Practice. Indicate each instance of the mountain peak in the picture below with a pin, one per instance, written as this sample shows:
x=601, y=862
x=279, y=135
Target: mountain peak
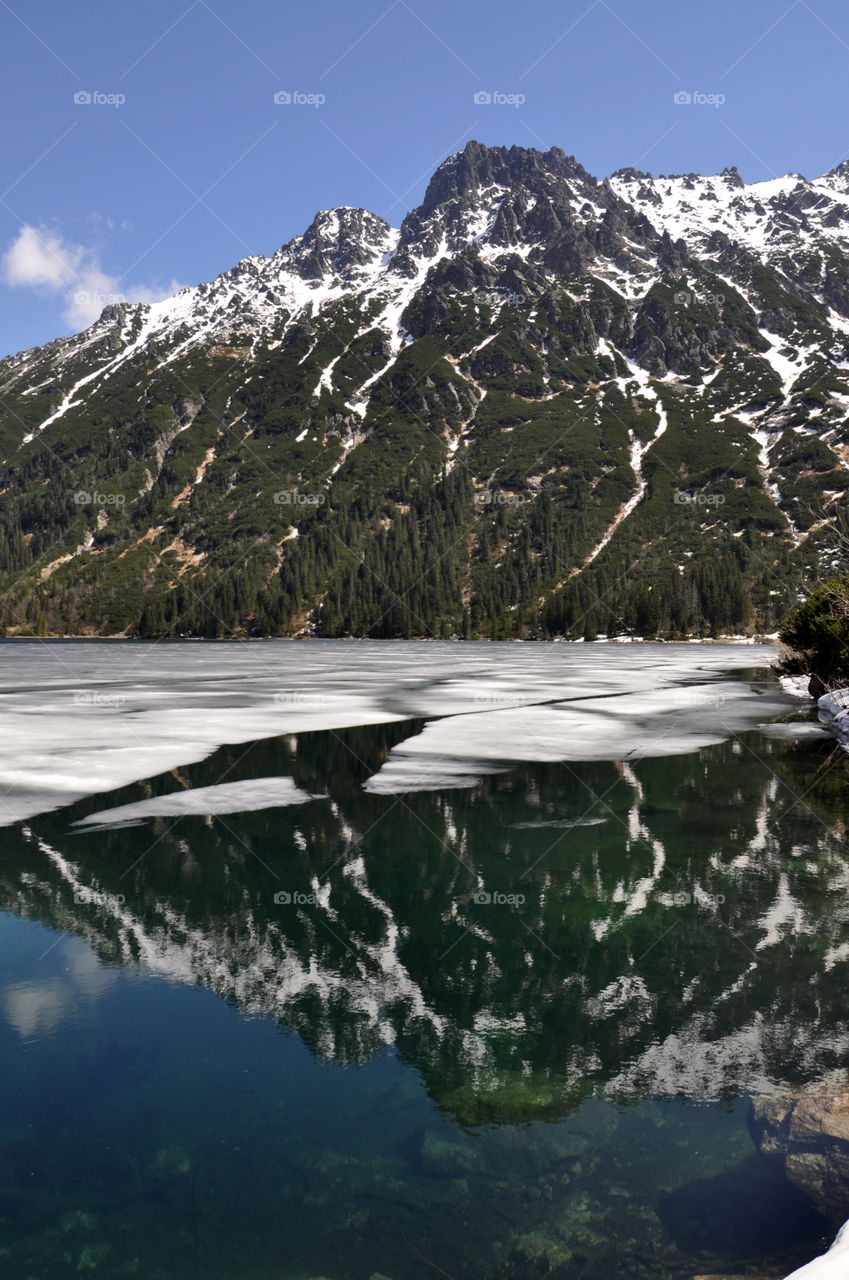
x=630, y=174
x=478, y=166
x=339, y=242
x=837, y=178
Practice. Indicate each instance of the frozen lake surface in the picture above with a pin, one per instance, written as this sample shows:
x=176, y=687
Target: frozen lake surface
x=81, y=718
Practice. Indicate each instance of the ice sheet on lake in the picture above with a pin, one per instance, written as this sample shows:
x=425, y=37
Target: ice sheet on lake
x=661, y=721
x=227, y=797
x=82, y=718
x=796, y=731
x=565, y=824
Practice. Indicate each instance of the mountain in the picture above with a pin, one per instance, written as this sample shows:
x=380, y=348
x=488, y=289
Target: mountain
x=545, y=405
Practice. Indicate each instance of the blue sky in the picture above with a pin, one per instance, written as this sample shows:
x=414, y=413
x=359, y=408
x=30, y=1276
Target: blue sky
x=199, y=166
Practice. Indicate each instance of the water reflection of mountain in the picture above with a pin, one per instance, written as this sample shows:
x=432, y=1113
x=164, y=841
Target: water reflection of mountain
x=692, y=942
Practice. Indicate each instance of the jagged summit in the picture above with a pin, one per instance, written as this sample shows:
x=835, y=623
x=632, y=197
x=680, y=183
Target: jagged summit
x=477, y=167
x=489, y=194
x=837, y=179
x=339, y=242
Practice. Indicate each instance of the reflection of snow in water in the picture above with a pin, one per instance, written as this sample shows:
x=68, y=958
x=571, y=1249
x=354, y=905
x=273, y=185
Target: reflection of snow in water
x=638, y=832
x=84, y=718
x=270, y=978
x=355, y=988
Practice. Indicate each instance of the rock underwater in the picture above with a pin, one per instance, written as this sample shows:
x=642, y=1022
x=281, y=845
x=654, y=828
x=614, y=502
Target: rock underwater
x=809, y=1134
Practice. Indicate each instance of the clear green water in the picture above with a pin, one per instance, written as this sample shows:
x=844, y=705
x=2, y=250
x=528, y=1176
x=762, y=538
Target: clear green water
x=201, y=1081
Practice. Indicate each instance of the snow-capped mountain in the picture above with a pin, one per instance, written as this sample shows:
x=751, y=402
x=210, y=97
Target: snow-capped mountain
x=476, y=423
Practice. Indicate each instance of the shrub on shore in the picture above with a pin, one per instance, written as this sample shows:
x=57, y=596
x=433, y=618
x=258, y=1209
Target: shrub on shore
x=818, y=633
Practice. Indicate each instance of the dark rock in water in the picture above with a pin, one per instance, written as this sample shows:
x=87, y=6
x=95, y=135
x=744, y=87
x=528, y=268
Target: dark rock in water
x=817, y=688
x=169, y=1163
x=809, y=1135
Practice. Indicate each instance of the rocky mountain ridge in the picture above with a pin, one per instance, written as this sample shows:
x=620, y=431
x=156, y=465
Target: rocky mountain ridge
x=545, y=405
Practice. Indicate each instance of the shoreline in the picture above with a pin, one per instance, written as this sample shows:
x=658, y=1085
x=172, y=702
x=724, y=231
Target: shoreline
x=771, y=639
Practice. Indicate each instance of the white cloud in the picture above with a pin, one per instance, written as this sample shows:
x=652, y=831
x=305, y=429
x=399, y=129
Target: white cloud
x=39, y=258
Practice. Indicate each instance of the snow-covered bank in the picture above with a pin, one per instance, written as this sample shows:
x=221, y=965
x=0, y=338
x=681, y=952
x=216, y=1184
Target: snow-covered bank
x=834, y=713
x=82, y=718
x=833, y=1265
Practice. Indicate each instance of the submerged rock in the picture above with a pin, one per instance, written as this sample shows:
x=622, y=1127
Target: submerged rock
x=170, y=1162
x=539, y=1246
x=446, y=1157
x=78, y=1220
x=92, y=1256
x=810, y=1136
x=511, y=1097
x=761, y=1275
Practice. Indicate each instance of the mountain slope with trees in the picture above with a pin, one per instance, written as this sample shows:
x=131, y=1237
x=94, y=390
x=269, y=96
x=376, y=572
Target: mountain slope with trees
x=545, y=405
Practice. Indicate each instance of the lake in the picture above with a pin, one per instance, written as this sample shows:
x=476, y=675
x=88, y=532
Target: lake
x=350, y=960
